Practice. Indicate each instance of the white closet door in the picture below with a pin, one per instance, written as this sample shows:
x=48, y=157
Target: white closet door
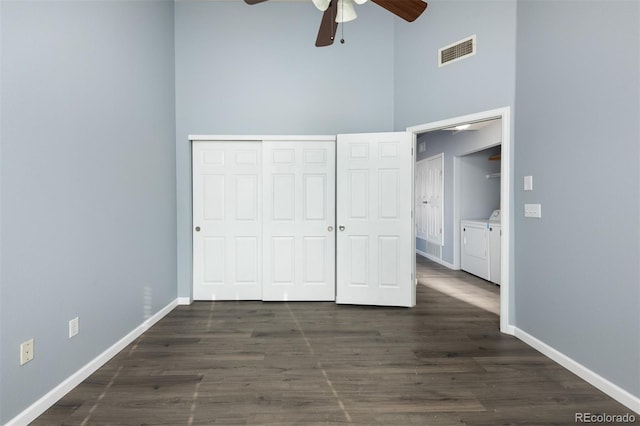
x=432, y=202
x=299, y=220
x=375, y=224
x=421, y=199
x=227, y=198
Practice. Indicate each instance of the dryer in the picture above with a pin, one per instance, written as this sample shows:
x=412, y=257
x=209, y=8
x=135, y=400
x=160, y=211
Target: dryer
x=480, y=247
x=474, y=256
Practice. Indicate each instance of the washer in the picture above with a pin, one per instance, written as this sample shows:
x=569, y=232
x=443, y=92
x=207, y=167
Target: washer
x=495, y=248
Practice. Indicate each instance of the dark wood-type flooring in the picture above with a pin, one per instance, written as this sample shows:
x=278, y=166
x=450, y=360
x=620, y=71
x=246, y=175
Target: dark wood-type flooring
x=443, y=362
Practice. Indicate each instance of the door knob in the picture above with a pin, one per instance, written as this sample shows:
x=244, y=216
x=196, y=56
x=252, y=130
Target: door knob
x=341, y=227
x=330, y=229
x=197, y=229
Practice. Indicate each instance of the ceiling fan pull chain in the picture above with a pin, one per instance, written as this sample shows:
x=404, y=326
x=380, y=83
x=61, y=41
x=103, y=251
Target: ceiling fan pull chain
x=342, y=27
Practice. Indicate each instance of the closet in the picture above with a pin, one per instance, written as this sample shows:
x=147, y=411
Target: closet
x=287, y=218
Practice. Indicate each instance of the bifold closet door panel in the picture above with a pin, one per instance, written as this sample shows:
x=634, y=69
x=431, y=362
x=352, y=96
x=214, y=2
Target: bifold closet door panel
x=375, y=225
x=227, y=220
x=298, y=220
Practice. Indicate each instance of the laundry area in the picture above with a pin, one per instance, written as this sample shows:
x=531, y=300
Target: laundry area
x=480, y=227
x=458, y=216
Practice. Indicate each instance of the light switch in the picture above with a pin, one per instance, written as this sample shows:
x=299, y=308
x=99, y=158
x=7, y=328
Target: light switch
x=528, y=183
x=532, y=210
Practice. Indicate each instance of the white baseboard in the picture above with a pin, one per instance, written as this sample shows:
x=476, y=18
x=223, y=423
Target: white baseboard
x=184, y=300
x=614, y=391
x=41, y=405
x=421, y=253
x=436, y=259
x=507, y=328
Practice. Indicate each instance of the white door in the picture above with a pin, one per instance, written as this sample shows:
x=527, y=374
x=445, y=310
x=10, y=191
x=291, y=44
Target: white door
x=299, y=220
x=227, y=197
x=432, y=199
x=374, y=217
x=421, y=199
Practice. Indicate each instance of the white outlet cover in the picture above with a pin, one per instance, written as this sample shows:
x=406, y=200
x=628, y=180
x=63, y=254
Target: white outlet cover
x=528, y=183
x=26, y=351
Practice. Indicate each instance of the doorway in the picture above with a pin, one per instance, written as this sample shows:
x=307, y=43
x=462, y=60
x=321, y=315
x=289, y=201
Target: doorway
x=506, y=204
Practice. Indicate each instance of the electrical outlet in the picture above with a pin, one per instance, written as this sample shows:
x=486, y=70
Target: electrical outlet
x=26, y=351
x=532, y=210
x=74, y=327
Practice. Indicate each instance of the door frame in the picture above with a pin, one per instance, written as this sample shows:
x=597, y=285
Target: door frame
x=507, y=307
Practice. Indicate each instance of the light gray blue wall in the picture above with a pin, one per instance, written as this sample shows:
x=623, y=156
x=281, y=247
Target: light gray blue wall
x=577, y=132
x=88, y=182
x=455, y=145
x=255, y=70
x=423, y=92
x=479, y=195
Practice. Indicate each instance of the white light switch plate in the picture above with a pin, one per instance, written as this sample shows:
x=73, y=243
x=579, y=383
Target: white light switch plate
x=528, y=183
x=532, y=210
x=74, y=327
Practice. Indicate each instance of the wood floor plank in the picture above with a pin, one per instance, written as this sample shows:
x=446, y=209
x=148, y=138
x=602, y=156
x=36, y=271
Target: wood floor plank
x=443, y=362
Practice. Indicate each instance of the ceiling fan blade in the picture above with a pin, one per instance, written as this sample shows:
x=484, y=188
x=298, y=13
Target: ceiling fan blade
x=254, y=1
x=409, y=10
x=328, y=26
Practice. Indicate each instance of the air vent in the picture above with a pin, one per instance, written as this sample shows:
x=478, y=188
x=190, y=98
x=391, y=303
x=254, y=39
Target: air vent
x=456, y=51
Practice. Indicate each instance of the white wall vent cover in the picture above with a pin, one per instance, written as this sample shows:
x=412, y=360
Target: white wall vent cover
x=456, y=51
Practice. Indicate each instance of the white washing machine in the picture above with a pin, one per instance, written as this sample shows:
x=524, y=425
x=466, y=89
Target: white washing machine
x=480, y=247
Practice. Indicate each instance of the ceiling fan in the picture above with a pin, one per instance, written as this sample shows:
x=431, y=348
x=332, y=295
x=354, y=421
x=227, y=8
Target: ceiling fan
x=340, y=11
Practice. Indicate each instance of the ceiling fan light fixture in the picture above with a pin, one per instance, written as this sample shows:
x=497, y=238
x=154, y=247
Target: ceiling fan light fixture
x=340, y=11
x=346, y=11
x=322, y=5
